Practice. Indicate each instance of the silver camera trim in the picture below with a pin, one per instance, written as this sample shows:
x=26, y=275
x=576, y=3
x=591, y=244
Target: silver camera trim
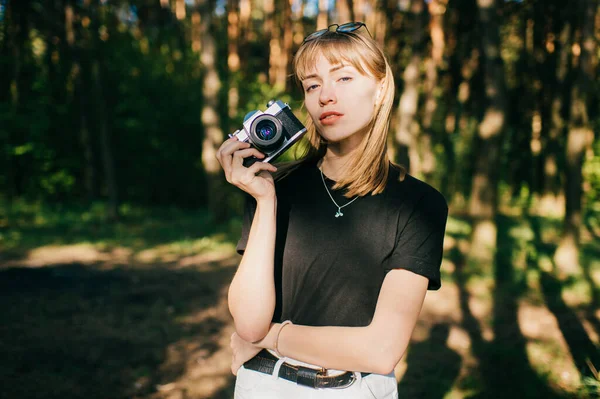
x=273, y=108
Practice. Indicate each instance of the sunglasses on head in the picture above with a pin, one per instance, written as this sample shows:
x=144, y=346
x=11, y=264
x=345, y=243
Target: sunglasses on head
x=348, y=27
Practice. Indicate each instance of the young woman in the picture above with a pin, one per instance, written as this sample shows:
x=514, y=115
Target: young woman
x=339, y=251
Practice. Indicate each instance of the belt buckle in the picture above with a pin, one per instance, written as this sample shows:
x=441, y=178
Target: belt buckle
x=350, y=382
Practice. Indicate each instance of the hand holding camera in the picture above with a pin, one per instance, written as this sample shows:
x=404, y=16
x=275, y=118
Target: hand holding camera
x=264, y=136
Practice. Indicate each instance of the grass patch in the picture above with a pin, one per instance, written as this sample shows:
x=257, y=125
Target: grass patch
x=173, y=231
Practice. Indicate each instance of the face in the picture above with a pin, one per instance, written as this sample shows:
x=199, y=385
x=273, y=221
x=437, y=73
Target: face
x=340, y=101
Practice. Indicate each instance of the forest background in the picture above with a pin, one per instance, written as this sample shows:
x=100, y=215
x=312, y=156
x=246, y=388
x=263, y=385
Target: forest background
x=117, y=229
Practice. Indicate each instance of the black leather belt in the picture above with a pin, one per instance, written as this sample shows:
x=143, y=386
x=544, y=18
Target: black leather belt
x=264, y=362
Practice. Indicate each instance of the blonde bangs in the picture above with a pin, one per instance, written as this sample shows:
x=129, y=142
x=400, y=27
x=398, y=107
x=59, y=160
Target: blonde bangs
x=337, y=49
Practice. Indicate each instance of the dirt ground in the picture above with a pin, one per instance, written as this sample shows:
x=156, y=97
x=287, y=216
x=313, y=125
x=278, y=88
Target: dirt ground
x=81, y=322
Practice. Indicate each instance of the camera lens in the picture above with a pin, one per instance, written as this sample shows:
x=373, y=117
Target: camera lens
x=266, y=130
x=266, y=133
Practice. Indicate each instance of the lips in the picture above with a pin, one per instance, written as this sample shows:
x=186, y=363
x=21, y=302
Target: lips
x=330, y=117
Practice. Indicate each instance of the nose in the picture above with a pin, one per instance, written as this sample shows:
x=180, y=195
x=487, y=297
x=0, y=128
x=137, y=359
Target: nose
x=327, y=95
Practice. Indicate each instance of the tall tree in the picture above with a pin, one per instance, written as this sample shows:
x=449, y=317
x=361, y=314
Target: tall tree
x=233, y=56
x=343, y=11
x=484, y=187
x=407, y=129
x=99, y=32
x=553, y=40
x=433, y=63
x=213, y=135
x=82, y=90
x=298, y=24
x=271, y=37
x=580, y=134
x=358, y=7
x=323, y=17
x=284, y=66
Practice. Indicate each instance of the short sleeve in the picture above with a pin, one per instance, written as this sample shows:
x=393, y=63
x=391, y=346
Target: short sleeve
x=420, y=241
x=249, y=210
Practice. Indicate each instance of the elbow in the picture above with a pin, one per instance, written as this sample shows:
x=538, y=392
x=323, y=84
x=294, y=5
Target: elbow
x=251, y=332
x=386, y=357
x=250, y=326
x=385, y=364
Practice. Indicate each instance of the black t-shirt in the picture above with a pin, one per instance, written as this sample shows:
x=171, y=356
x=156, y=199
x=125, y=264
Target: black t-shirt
x=328, y=270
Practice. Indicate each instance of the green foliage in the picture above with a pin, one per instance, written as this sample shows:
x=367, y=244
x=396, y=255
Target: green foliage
x=133, y=69
x=591, y=175
x=26, y=225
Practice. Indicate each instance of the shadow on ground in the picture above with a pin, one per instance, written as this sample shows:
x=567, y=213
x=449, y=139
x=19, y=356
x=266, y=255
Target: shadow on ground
x=75, y=331
x=581, y=347
x=504, y=368
x=432, y=367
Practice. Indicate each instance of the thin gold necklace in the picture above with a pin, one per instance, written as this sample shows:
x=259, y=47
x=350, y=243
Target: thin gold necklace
x=339, y=208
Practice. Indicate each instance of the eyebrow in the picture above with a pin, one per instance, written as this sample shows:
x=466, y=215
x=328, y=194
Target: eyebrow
x=335, y=68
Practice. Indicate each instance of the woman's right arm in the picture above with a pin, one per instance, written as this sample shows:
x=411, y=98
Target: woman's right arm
x=252, y=291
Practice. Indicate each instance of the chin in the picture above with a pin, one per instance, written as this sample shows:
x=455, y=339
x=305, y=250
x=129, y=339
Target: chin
x=334, y=134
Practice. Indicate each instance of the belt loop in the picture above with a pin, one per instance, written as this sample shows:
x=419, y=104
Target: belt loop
x=358, y=375
x=278, y=364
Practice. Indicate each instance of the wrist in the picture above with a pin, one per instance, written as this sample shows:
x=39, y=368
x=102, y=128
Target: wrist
x=267, y=201
x=278, y=337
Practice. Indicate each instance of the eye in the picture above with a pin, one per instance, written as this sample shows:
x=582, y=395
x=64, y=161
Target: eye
x=311, y=87
x=345, y=79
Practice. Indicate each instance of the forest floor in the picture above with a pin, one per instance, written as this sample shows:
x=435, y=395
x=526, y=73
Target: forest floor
x=137, y=309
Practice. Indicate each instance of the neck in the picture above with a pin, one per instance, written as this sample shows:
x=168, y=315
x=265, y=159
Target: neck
x=333, y=164
x=337, y=157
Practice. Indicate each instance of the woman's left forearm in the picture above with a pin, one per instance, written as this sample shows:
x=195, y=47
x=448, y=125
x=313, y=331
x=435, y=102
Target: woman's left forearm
x=375, y=348
x=341, y=348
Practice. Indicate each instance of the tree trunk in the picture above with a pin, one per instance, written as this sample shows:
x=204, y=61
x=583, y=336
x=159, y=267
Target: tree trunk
x=484, y=189
x=213, y=135
x=271, y=37
x=323, y=17
x=358, y=7
x=10, y=89
x=297, y=17
x=245, y=30
x=579, y=137
x=233, y=58
x=180, y=9
x=407, y=131
x=102, y=117
x=81, y=92
x=380, y=21
x=553, y=119
x=284, y=68
x=196, y=35
x=342, y=9
x=436, y=11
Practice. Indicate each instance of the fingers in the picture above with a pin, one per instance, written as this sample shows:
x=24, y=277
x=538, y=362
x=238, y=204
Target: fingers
x=224, y=153
x=245, y=176
x=238, y=156
x=260, y=166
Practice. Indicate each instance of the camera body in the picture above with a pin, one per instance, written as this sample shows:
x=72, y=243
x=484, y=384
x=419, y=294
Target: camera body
x=271, y=132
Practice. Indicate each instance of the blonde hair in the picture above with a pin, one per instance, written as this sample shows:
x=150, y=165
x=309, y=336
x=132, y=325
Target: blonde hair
x=367, y=169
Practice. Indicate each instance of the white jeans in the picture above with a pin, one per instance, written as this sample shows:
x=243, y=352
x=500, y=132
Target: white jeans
x=251, y=384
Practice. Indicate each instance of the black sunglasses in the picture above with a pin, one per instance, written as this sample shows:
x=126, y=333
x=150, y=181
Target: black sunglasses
x=348, y=27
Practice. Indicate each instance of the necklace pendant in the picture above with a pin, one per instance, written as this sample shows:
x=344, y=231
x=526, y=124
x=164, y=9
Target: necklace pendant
x=339, y=213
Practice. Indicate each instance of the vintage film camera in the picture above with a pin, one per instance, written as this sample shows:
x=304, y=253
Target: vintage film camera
x=271, y=132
